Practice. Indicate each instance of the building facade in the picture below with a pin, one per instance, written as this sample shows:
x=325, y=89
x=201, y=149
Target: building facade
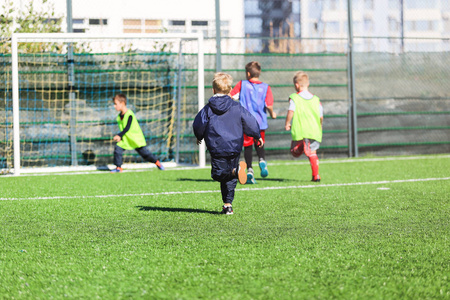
x=152, y=16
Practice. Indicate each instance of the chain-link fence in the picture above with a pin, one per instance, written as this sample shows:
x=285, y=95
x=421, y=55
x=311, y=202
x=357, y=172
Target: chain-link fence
x=400, y=63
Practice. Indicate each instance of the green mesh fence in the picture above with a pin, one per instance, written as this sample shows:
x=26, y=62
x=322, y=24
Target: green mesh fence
x=403, y=102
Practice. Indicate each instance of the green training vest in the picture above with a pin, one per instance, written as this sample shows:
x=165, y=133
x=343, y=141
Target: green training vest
x=134, y=138
x=306, y=119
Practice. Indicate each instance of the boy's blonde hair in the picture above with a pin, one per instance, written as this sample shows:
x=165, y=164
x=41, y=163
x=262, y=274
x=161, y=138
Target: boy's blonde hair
x=222, y=83
x=121, y=98
x=301, y=78
x=254, y=68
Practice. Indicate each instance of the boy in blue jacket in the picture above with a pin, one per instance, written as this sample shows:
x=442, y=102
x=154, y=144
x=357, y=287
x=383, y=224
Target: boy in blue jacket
x=222, y=123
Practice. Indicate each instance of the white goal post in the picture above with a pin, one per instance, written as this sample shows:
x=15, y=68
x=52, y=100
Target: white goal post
x=68, y=38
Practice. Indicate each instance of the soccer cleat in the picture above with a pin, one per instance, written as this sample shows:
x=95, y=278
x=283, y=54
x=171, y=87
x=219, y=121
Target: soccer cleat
x=242, y=176
x=250, y=176
x=317, y=179
x=264, y=170
x=117, y=170
x=227, y=210
x=159, y=165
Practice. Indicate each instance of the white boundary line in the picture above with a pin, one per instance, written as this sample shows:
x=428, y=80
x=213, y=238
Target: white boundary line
x=353, y=160
x=173, y=166
x=243, y=189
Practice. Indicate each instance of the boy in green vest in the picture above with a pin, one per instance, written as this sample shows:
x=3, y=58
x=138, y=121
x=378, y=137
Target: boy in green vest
x=306, y=113
x=130, y=136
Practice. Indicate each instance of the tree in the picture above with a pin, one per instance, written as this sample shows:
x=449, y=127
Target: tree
x=30, y=20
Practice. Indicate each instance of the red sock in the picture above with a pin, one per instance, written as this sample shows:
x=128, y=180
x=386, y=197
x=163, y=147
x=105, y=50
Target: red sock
x=314, y=161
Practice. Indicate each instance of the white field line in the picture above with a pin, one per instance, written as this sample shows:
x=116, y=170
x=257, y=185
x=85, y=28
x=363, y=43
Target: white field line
x=356, y=160
x=242, y=189
x=171, y=166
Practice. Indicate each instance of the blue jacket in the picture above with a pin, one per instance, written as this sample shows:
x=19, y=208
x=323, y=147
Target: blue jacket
x=222, y=123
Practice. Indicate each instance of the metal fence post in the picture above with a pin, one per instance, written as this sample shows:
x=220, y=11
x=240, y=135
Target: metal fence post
x=180, y=67
x=353, y=131
x=218, y=39
x=16, y=104
x=71, y=83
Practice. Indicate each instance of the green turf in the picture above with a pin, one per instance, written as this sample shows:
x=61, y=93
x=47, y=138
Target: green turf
x=328, y=241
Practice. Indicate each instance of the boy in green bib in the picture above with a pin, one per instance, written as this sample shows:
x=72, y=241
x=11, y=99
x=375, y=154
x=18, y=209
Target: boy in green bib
x=306, y=113
x=130, y=136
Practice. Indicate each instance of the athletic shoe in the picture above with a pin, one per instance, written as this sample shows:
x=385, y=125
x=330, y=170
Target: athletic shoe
x=242, y=176
x=250, y=176
x=159, y=165
x=117, y=170
x=317, y=179
x=264, y=170
x=227, y=210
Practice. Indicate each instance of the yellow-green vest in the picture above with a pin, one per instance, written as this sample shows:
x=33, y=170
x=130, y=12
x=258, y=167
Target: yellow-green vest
x=134, y=138
x=306, y=119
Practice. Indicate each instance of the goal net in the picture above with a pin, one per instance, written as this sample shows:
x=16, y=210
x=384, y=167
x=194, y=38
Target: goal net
x=57, y=106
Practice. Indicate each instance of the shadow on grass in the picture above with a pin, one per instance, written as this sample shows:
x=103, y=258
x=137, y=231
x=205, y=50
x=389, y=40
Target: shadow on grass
x=275, y=179
x=174, y=209
x=193, y=179
x=258, y=179
x=102, y=168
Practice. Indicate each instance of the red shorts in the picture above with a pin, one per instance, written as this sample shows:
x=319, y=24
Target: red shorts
x=248, y=140
x=306, y=146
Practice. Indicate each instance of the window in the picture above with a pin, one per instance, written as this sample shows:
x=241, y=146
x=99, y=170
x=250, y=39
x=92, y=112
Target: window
x=368, y=25
x=132, y=30
x=224, y=28
x=447, y=25
x=253, y=25
x=421, y=4
x=251, y=7
x=153, y=26
x=132, y=26
x=296, y=7
x=177, y=23
x=77, y=21
x=79, y=30
x=98, y=21
x=132, y=22
x=199, y=23
x=422, y=25
x=394, y=25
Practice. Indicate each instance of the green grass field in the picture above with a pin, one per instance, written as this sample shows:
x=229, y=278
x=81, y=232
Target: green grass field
x=372, y=229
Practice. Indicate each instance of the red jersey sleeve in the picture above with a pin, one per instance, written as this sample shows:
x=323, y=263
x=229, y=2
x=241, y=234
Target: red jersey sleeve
x=236, y=89
x=269, y=97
